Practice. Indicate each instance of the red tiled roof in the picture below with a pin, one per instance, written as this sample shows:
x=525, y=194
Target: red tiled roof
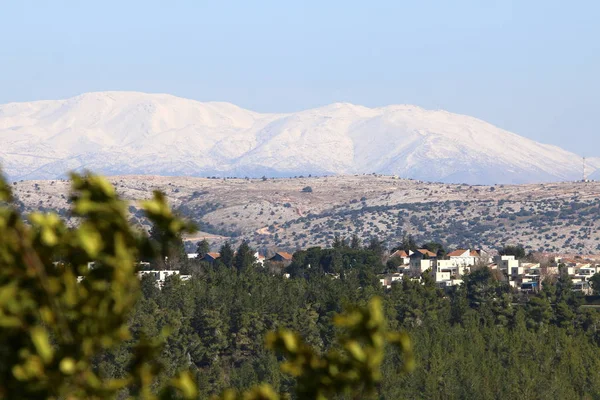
x=285, y=255
x=456, y=253
x=569, y=260
x=214, y=255
x=426, y=252
x=399, y=253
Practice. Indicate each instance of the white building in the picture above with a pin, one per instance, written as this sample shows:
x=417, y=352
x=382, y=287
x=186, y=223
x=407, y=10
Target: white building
x=468, y=258
x=454, y=268
x=260, y=260
x=387, y=280
x=511, y=268
x=586, y=273
x=583, y=287
x=160, y=276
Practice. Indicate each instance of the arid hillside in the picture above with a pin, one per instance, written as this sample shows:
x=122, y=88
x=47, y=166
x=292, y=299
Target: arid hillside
x=309, y=211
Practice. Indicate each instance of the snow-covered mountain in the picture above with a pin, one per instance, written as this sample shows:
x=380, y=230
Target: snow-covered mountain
x=137, y=133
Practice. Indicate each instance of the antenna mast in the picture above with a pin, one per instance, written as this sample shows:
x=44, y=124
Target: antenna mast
x=585, y=178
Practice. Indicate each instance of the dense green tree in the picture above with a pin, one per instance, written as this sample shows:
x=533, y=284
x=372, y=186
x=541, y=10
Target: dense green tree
x=355, y=242
x=408, y=244
x=393, y=263
x=227, y=254
x=213, y=330
x=202, y=248
x=540, y=312
x=339, y=242
x=244, y=257
x=376, y=246
x=595, y=282
x=482, y=287
x=171, y=254
x=149, y=288
x=517, y=251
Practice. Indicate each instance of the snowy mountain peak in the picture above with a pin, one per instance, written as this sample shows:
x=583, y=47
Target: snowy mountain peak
x=139, y=133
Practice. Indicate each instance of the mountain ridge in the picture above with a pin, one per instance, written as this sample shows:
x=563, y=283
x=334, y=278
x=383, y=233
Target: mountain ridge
x=120, y=133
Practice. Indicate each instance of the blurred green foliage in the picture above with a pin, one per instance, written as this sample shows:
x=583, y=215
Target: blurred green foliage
x=51, y=325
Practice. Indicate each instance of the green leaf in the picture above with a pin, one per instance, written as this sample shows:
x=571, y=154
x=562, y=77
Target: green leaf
x=40, y=339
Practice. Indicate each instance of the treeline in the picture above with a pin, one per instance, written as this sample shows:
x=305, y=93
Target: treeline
x=481, y=341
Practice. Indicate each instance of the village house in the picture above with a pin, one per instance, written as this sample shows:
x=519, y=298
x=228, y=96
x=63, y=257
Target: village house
x=260, y=259
x=586, y=273
x=452, y=267
x=573, y=269
x=583, y=287
x=444, y=274
x=458, y=263
x=387, y=280
x=466, y=258
x=506, y=263
x=446, y=277
x=281, y=256
x=402, y=255
x=211, y=257
x=511, y=267
x=571, y=266
x=421, y=261
x=530, y=287
x=531, y=273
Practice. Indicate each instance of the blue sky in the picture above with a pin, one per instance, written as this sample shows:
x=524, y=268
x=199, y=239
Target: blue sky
x=529, y=66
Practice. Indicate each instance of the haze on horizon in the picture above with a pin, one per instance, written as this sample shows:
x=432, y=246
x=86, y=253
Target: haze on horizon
x=528, y=67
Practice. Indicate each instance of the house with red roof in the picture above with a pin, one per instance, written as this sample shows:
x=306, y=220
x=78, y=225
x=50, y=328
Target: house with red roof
x=211, y=257
x=402, y=255
x=281, y=256
x=422, y=260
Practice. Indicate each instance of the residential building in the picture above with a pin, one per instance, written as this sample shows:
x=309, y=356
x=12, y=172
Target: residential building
x=531, y=272
x=512, y=269
x=260, y=259
x=211, y=257
x=421, y=261
x=455, y=268
x=586, y=273
x=583, y=287
x=281, y=256
x=387, y=280
x=529, y=287
x=467, y=257
x=402, y=255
